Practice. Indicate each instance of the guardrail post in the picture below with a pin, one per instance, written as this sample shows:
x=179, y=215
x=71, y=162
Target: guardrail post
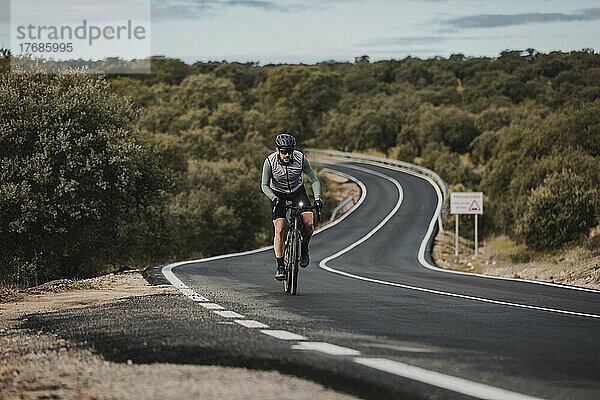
x=340, y=207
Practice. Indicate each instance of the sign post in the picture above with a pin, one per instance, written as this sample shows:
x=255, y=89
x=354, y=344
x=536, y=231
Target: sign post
x=456, y=237
x=466, y=203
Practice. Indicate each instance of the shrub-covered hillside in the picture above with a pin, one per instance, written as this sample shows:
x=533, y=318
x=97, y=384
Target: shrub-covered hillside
x=506, y=126
x=524, y=128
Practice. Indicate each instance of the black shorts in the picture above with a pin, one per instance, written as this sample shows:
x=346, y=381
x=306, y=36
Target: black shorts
x=299, y=196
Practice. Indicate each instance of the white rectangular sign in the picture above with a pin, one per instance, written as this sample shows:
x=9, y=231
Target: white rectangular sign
x=466, y=203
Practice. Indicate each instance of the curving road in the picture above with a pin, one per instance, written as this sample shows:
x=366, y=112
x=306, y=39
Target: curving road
x=373, y=317
x=368, y=296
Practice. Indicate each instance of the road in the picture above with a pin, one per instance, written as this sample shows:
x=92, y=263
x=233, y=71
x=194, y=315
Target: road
x=373, y=315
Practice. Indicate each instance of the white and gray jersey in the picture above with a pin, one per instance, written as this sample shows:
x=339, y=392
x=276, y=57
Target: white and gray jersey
x=287, y=178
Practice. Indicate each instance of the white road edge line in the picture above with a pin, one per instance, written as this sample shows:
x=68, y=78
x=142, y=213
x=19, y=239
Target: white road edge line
x=167, y=270
x=443, y=381
x=323, y=263
x=425, y=264
x=285, y=335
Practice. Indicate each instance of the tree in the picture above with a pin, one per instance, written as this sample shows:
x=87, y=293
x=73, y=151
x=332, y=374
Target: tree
x=204, y=90
x=558, y=211
x=301, y=95
x=4, y=61
x=450, y=126
x=72, y=173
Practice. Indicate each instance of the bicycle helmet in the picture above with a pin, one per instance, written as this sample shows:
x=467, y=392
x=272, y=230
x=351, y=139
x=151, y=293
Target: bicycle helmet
x=285, y=141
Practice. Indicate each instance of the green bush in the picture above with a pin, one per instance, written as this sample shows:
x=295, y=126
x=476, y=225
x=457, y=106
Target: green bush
x=72, y=172
x=494, y=118
x=558, y=211
x=403, y=152
x=450, y=126
x=482, y=147
x=448, y=165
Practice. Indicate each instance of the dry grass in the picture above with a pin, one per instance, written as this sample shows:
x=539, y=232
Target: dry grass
x=342, y=187
x=12, y=294
x=500, y=256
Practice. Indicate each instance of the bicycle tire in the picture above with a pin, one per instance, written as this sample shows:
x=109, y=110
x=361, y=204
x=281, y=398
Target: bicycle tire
x=287, y=257
x=295, y=264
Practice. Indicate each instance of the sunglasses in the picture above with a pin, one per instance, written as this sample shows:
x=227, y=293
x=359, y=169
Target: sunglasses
x=286, y=152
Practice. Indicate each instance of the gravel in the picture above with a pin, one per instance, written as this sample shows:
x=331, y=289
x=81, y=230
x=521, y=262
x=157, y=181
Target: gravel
x=40, y=365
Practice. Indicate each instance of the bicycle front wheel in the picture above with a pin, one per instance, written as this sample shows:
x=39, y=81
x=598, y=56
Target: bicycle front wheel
x=295, y=262
x=288, y=256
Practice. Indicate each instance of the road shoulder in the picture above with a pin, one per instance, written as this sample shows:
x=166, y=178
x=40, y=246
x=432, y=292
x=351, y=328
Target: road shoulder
x=37, y=364
x=574, y=267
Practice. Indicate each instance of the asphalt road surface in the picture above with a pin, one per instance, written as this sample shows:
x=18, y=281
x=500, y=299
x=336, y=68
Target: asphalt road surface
x=373, y=316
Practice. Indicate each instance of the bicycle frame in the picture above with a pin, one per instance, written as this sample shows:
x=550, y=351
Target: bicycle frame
x=292, y=246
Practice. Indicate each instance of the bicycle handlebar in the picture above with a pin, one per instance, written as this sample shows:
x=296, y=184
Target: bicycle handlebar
x=299, y=208
x=307, y=208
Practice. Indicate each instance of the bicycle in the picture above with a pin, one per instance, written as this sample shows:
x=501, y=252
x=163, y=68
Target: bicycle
x=293, y=244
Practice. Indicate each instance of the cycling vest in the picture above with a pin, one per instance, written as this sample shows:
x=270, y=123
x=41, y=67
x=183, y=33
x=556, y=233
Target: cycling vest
x=286, y=178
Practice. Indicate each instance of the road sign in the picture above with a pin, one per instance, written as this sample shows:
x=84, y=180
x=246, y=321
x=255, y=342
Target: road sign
x=466, y=203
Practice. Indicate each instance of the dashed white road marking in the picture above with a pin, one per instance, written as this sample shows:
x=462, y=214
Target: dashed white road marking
x=250, y=323
x=197, y=297
x=212, y=306
x=448, y=382
x=283, y=335
x=327, y=348
x=192, y=295
x=228, y=314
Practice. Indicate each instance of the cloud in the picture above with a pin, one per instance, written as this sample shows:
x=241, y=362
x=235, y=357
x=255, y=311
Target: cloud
x=424, y=40
x=267, y=5
x=403, y=41
x=198, y=8
x=263, y=5
x=498, y=20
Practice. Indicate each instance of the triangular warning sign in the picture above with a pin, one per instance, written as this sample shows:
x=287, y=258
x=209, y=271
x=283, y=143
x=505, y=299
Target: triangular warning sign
x=474, y=206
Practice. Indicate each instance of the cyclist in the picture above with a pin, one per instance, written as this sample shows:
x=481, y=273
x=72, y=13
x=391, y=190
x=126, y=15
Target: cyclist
x=281, y=182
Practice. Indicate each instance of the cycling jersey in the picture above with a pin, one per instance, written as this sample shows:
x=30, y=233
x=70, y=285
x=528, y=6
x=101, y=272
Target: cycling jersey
x=287, y=178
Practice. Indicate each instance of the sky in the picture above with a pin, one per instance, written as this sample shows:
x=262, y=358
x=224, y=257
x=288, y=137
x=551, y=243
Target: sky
x=310, y=31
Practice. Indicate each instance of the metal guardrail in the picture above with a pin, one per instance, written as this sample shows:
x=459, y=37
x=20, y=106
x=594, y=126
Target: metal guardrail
x=344, y=203
x=425, y=171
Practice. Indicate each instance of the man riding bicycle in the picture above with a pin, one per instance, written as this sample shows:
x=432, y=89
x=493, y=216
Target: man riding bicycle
x=281, y=182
